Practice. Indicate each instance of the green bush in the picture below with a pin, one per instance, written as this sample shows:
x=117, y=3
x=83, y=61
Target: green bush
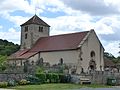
x=11, y=83
x=23, y=82
x=33, y=79
x=41, y=76
x=3, y=84
x=52, y=77
x=55, y=78
x=64, y=78
x=48, y=77
x=39, y=70
x=61, y=78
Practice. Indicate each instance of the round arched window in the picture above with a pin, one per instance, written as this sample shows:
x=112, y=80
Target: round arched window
x=92, y=54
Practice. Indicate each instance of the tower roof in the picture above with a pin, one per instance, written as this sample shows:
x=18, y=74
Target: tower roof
x=35, y=20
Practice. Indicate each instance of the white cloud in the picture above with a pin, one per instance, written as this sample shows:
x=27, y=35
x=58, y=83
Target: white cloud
x=13, y=5
x=104, y=26
x=112, y=47
x=11, y=35
x=79, y=16
x=94, y=7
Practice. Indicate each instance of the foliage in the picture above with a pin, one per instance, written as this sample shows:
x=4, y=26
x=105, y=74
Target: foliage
x=3, y=84
x=64, y=78
x=33, y=79
x=115, y=60
x=109, y=55
x=11, y=83
x=52, y=77
x=39, y=70
x=41, y=76
x=3, y=62
x=7, y=48
x=55, y=78
x=48, y=77
x=23, y=82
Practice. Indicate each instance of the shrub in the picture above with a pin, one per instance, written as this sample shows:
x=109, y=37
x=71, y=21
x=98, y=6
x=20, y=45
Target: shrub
x=64, y=78
x=33, y=79
x=3, y=84
x=55, y=78
x=41, y=76
x=11, y=83
x=48, y=77
x=52, y=77
x=23, y=82
x=39, y=70
x=61, y=78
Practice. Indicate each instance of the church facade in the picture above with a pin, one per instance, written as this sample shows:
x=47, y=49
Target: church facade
x=82, y=50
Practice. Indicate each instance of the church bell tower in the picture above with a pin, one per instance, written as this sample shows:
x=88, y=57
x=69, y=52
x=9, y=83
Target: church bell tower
x=32, y=30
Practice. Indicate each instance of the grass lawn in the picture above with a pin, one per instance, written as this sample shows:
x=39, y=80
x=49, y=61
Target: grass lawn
x=56, y=87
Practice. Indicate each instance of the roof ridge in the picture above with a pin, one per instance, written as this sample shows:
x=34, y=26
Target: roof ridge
x=67, y=34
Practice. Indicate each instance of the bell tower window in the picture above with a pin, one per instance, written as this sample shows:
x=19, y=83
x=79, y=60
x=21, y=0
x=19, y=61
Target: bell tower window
x=40, y=29
x=26, y=36
x=26, y=29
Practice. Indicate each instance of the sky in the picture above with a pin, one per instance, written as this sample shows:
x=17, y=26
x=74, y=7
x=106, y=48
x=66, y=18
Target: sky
x=64, y=16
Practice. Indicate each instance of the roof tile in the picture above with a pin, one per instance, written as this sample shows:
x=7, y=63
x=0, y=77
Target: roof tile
x=35, y=20
x=59, y=42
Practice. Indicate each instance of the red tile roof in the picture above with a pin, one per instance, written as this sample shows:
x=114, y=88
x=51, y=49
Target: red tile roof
x=35, y=20
x=59, y=42
x=27, y=55
x=18, y=54
x=53, y=43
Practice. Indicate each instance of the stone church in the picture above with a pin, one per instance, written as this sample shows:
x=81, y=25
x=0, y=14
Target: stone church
x=82, y=50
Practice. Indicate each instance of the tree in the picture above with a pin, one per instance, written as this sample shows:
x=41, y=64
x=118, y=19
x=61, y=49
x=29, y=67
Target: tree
x=3, y=62
x=7, y=48
x=109, y=55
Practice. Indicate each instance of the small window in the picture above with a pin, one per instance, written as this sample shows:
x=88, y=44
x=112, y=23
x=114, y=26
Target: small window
x=26, y=36
x=92, y=54
x=40, y=29
x=61, y=61
x=26, y=29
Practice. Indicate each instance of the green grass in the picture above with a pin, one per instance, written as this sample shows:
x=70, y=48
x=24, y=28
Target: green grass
x=56, y=87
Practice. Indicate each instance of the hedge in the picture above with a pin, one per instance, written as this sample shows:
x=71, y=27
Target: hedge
x=3, y=84
x=41, y=76
x=53, y=78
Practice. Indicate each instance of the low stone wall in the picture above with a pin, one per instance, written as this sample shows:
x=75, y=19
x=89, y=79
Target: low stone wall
x=95, y=78
x=12, y=76
x=101, y=77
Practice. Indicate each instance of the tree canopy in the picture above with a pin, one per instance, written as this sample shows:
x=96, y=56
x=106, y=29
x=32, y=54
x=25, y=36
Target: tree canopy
x=109, y=55
x=7, y=48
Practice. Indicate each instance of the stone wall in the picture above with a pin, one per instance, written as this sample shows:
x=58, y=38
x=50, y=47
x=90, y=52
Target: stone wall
x=101, y=77
x=12, y=76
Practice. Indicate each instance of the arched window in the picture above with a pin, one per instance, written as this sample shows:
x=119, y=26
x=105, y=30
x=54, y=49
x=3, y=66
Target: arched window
x=92, y=63
x=92, y=55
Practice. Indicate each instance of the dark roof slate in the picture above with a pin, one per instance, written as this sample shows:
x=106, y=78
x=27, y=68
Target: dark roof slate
x=35, y=20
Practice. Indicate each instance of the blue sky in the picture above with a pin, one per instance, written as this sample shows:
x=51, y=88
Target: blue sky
x=64, y=16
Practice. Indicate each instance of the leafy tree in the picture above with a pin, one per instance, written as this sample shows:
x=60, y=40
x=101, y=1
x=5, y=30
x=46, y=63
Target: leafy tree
x=3, y=62
x=7, y=48
x=109, y=55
